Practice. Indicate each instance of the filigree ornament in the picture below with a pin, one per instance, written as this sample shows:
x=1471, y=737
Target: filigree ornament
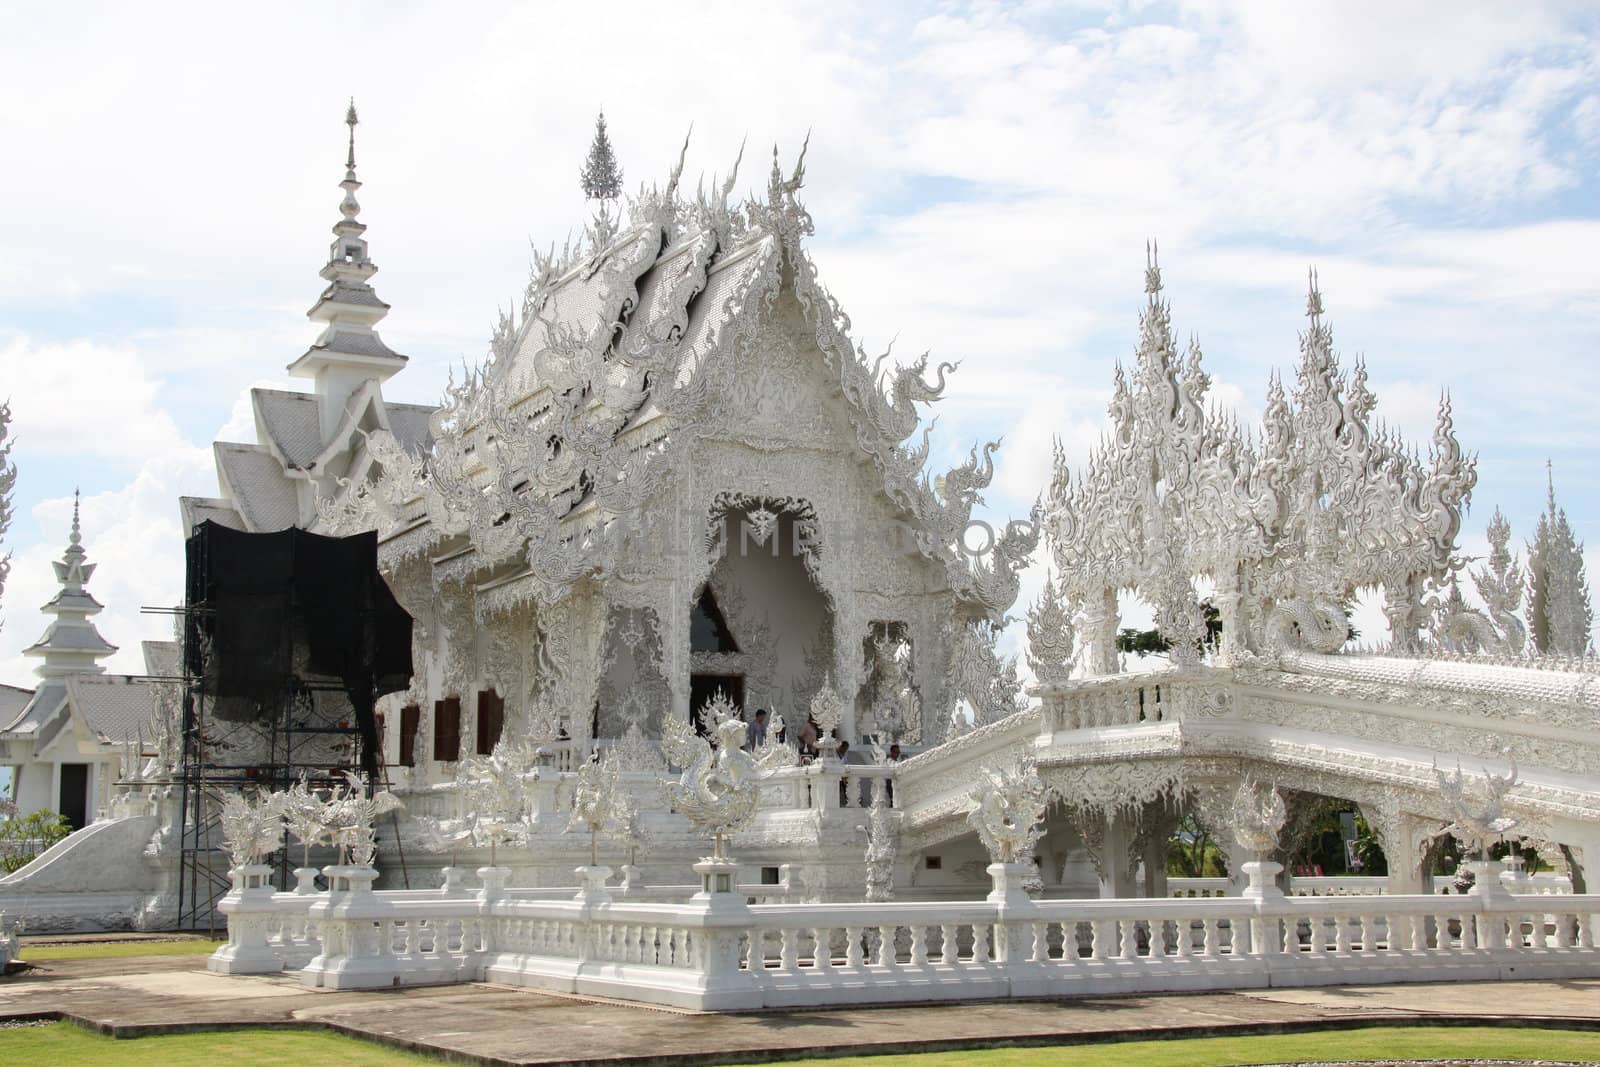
x=1007, y=808
x=1258, y=816
x=762, y=523
x=1479, y=824
x=493, y=792
x=827, y=707
x=1050, y=635
x=250, y=828
x=719, y=791
x=1290, y=521
x=598, y=799
x=1500, y=585
x=637, y=754
x=882, y=832
x=351, y=818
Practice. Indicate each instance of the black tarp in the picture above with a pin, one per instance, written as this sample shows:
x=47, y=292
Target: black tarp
x=269, y=612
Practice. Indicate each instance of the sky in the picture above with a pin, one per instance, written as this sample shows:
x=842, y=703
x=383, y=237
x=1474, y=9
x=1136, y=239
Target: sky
x=983, y=177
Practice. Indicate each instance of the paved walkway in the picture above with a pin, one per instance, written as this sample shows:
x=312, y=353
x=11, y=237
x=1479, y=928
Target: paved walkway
x=501, y=1025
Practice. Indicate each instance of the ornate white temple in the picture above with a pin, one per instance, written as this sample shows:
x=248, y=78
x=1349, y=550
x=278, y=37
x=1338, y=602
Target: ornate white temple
x=676, y=494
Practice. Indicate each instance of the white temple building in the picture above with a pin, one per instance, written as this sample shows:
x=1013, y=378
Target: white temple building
x=65, y=743
x=677, y=492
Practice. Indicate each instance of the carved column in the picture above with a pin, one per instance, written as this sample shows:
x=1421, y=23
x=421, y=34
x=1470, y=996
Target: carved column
x=1402, y=606
x=1099, y=632
x=1229, y=599
x=1397, y=832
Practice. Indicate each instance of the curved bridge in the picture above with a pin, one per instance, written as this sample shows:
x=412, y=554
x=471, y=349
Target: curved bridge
x=1369, y=729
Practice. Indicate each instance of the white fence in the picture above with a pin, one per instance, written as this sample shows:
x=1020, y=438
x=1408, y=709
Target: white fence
x=1359, y=886
x=717, y=952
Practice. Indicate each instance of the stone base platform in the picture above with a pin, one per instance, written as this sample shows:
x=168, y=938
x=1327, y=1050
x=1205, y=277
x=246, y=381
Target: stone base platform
x=489, y=1024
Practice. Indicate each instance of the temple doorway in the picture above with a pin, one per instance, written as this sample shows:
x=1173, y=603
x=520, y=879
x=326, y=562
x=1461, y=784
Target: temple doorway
x=74, y=797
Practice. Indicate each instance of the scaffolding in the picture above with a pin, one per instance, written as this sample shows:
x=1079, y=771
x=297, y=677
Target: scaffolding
x=286, y=742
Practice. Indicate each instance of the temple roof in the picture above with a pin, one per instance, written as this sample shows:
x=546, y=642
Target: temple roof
x=292, y=422
x=255, y=484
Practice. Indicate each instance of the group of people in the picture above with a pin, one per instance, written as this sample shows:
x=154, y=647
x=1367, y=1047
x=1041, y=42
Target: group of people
x=809, y=740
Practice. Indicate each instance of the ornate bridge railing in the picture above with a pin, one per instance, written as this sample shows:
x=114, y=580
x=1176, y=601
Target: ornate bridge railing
x=718, y=953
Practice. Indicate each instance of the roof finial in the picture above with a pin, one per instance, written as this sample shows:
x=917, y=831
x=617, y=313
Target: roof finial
x=350, y=120
x=77, y=531
x=1152, y=268
x=1550, y=479
x=601, y=177
x=1313, y=295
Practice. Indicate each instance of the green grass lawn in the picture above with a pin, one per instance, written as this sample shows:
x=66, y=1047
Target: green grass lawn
x=62, y=1043
x=1377, y=1043
x=106, y=950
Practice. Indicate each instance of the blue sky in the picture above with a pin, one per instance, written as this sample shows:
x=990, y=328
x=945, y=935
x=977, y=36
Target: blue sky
x=983, y=178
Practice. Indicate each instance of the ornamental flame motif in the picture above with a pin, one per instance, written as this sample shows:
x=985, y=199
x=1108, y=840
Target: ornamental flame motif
x=1007, y=807
x=1258, y=816
x=1290, y=520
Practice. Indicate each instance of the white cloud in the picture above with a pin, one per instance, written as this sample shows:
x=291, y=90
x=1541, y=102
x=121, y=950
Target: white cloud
x=86, y=400
x=983, y=181
x=134, y=538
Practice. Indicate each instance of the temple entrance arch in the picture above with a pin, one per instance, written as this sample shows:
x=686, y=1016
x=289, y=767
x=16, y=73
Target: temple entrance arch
x=761, y=614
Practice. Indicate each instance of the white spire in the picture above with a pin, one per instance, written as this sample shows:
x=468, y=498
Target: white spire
x=1559, y=611
x=71, y=644
x=349, y=350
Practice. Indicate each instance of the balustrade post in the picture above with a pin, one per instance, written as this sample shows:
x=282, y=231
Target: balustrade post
x=1489, y=896
x=493, y=880
x=355, y=954
x=248, y=906
x=592, y=885
x=305, y=881
x=724, y=919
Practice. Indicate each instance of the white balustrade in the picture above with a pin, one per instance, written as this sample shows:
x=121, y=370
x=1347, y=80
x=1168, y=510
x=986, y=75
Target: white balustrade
x=716, y=952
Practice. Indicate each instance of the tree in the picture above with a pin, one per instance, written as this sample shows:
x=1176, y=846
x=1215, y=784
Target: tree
x=24, y=837
x=1559, y=613
x=8, y=482
x=601, y=177
x=1191, y=853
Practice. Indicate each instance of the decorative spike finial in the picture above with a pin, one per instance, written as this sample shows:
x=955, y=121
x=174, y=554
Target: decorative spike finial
x=601, y=177
x=1313, y=295
x=1152, y=268
x=350, y=120
x=77, y=530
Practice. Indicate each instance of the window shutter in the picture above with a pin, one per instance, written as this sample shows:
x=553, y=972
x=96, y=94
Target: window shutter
x=447, y=729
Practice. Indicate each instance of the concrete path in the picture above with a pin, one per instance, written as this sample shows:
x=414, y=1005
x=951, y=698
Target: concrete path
x=501, y=1025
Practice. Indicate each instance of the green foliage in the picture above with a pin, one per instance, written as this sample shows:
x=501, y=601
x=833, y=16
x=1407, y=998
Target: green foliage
x=1314, y=836
x=116, y=950
x=22, y=838
x=1146, y=642
x=66, y=1043
x=1191, y=852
